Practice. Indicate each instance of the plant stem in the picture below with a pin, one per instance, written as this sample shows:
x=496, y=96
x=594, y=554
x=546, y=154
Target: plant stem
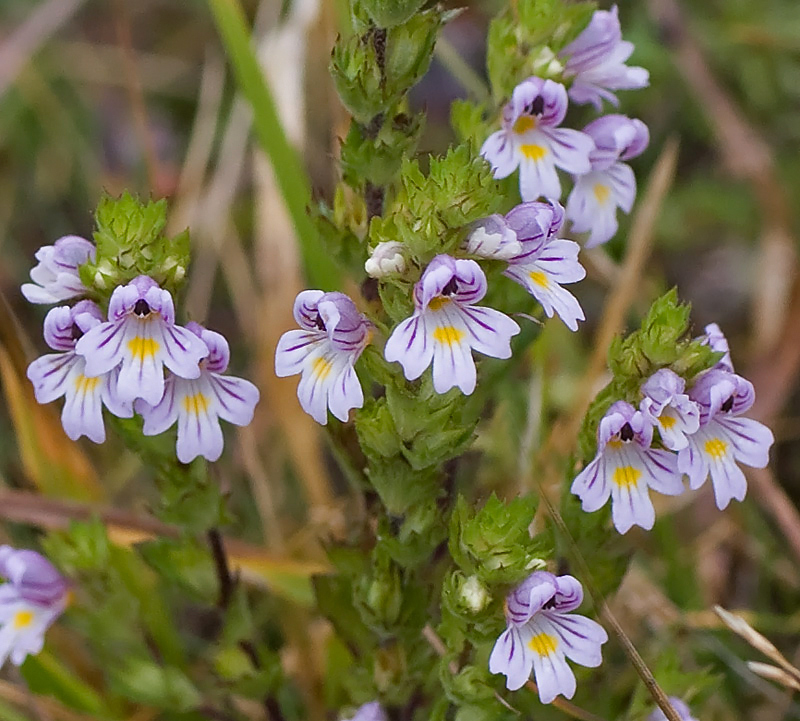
x=226, y=580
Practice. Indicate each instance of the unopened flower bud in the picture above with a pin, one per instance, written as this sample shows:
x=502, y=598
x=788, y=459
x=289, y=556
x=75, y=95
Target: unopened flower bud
x=493, y=238
x=386, y=259
x=474, y=594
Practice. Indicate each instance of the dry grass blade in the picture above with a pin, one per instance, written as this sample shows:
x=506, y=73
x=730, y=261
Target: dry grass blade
x=53, y=463
x=44, y=705
x=278, y=255
x=256, y=566
x=747, y=155
x=759, y=642
x=640, y=241
x=22, y=45
x=773, y=673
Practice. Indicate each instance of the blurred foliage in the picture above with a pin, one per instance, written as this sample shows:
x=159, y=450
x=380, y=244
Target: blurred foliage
x=159, y=643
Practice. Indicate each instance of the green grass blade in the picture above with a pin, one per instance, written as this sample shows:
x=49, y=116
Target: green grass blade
x=291, y=177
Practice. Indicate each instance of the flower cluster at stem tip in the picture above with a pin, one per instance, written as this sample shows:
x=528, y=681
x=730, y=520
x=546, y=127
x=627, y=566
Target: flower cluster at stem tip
x=701, y=434
x=532, y=139
x=119, y=361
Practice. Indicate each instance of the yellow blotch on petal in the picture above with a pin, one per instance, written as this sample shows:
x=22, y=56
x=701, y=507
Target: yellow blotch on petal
x=543, y=644
x=667, y=421
x=533, y=152
x=143, y=348
x=86, y=385
x=626, y=476
x=195, y=404
x=602, y=193
x=615, y=444
x=716, y=448
x=524, y=123
x=22, y=619
x=438, y=302
x=447, y=335
x=321, y=368
x=539, y=279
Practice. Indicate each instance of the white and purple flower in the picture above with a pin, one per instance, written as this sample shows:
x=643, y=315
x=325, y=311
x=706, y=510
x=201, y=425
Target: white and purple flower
x=542, y=634
x=626, y=468
x=55, y=277
x=446, y=327
x=680, y=706
x=371, y=711
x=546, y=261
x=64, y=374
x=332, y=336
x=592, y=204
x=531, y=140
x=141, y=338
x=596, y=61
x=537, y=259
x=724, y=439
x=34, y=596
x=667, y=406
x=198, y=404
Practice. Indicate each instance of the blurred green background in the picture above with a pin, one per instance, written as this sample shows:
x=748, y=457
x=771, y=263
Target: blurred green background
x=111, y=95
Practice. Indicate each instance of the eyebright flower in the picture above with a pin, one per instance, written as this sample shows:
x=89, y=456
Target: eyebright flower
x=724, y=439
x=371, y=711
x=64, y=374
x=55, y=277
x=672, y=411
x=592, y=204
x=531, y=139
x=34, y=596
x=596, y=61
x=387, y=259
x=546, y=261
x=198, y=404
x=683, y=711
x=541, y=634
x=446, y=326
x=332, y=337
x=625, y=468
x=141, y=337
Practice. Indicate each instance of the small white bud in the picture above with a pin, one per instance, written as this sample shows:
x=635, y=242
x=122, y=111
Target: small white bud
x=386, y=259
x=474, y=594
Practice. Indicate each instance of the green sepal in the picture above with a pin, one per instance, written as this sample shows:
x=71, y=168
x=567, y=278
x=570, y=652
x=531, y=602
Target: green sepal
x=130, y=242
x=377, y=158
x=142, y=680
x=387, y=13
x=494, y=542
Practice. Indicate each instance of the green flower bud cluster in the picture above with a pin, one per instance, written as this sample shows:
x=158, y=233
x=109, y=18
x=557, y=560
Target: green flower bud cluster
x=495, y=543
x=526, y=38
x=374, y=70
x=130, y=242
x=662, y=341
